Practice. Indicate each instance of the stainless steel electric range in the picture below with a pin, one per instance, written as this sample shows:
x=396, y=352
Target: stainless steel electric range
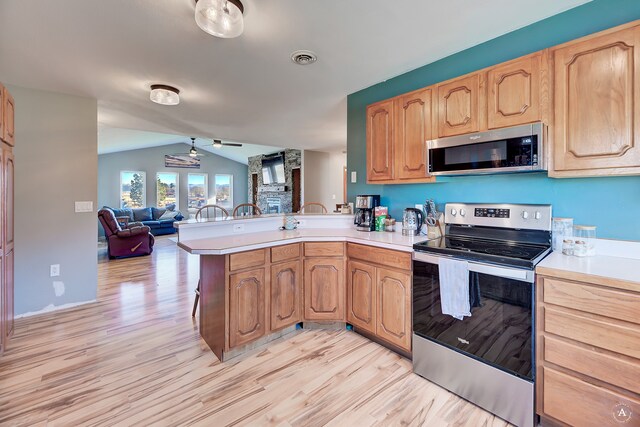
x=487, y=358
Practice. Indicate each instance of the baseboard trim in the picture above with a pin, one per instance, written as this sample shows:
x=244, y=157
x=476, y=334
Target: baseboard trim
x=53, y=308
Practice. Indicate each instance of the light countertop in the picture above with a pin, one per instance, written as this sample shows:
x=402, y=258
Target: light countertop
x=607, y=267
x=248, y=241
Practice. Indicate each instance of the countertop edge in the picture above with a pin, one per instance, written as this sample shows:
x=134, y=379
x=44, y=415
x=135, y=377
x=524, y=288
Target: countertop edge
x=291, y=240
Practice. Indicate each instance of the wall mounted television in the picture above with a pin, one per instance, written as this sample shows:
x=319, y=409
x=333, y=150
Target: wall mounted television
x=273, y=170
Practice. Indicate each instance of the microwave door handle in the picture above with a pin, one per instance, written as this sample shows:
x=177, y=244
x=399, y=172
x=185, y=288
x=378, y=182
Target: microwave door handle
x=508, y=273
x=427, y=173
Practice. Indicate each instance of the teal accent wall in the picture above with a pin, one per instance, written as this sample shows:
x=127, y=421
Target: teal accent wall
x=612, y=204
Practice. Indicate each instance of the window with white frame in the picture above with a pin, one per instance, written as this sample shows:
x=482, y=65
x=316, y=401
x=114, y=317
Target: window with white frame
x=167, y=189
x=197, y=188
x=224, y=190
x=133, y=192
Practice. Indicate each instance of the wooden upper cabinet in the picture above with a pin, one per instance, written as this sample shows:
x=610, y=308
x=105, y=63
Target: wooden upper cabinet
x=514, y=92
x=2, y=112
x=459, y=106
x=8, y=114
x=246, y=306
x=361, y=295
x=413, y=129
x=380, y=141
x=596, y=102
x=286, y=302
x=324, y=291
x=393, y=321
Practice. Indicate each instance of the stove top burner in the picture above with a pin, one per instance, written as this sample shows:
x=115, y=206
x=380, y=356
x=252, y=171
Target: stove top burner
x=493, y=251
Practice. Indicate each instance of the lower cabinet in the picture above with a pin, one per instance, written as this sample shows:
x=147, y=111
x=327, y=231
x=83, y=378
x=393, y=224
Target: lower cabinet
x=324, y=296
x=246, y=306
x=588, y=350
x=393, y=316
x=378, y=297
x=361, y=295
x=286, y=295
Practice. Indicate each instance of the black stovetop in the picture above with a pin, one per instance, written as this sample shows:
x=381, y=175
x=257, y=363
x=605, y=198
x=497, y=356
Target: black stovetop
x=500, y=252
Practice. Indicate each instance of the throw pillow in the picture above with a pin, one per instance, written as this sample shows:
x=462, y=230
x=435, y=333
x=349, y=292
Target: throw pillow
x=168, y=215
x=157, y=213
x=171, y=207
x=142, y=214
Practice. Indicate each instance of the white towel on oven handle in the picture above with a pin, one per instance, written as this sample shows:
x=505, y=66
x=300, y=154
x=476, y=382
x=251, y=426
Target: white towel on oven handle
x=454, y=287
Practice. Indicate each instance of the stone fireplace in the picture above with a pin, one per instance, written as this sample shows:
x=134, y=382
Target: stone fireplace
x=274, y=198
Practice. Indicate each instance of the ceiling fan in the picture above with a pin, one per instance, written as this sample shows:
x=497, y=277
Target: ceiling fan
x=193, y=152
x=219, y=144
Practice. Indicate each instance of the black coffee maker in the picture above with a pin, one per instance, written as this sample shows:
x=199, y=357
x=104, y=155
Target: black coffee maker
x=364, y=215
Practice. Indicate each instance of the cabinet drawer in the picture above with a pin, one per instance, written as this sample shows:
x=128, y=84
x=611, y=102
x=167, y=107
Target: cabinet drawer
x=592, y=299
x=603, y=366
x=600, y=332
x=324, y=249
x=247, y=259
x=579, y=403
x=282, y=253
x=379, y=256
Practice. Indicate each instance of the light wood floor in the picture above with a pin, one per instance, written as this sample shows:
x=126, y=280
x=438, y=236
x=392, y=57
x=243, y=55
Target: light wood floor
x=135, y=358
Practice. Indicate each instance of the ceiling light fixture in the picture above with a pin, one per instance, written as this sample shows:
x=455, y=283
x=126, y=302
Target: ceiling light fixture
x=164, y=95
x=217, y=143
x=220, y=18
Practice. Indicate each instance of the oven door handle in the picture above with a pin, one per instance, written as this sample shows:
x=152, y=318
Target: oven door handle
x=509, y=273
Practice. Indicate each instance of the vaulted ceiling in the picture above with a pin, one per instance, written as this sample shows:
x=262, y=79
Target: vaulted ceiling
x=244, y=89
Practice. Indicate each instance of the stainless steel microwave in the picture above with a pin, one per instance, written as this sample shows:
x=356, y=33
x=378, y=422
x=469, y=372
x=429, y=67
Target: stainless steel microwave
x=507, y=150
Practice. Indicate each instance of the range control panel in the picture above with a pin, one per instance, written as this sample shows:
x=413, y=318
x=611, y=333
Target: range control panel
x=492, y=213
x=503, y=215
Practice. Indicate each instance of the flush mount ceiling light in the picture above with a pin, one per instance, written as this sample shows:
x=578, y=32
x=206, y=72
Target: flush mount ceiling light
x=220, y=18
x=164, y=95
x=304, y=57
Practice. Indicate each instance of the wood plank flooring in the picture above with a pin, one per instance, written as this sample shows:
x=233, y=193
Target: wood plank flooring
x=135, y=358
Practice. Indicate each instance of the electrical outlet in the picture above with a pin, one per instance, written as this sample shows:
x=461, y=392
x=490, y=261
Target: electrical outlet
x=238, y=228
x=354, y=177
x=333, y=197
x=54, y=270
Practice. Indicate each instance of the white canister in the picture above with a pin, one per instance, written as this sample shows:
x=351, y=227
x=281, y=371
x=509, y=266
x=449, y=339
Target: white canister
x=562, y=228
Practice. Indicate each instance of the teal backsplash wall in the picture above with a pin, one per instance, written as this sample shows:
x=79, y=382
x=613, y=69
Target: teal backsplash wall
x=612, y=204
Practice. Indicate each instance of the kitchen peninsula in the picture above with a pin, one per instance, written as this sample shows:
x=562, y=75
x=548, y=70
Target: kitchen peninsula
x=257, y=283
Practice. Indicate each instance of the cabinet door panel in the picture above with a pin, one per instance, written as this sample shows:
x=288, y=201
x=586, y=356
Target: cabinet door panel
x=458, y=106
x=514, y=93
x=361, y=295
x=394, y=307
x=285, y=294
x=324, y=291
x=8, y=294
x=9, y=117
x=247, y=306
x=413, y=129
x=596, y=95
x=380, y=141
x=2, y=112
x=7, y=181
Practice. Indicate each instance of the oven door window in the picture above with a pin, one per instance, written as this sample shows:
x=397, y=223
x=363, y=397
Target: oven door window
x=484, y=155
x=499, y=331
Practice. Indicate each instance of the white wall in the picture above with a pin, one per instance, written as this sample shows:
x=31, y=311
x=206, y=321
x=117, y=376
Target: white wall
x=56, y=164
x=323, y=177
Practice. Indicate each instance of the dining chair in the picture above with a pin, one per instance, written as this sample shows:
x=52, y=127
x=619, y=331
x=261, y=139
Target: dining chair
x=314, y=206
x=244, y=209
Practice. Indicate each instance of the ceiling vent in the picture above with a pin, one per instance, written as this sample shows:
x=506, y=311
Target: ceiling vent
x=303, y=57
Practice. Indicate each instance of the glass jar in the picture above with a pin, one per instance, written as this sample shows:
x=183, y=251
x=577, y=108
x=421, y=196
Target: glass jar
x=567, y=247
x=562, y=228
x=586, y=235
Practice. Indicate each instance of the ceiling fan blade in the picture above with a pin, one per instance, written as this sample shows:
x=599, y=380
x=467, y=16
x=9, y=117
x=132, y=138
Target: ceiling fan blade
x=231, y=144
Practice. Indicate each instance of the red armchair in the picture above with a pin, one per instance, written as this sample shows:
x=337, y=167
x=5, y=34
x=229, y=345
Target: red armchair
x=134, y=240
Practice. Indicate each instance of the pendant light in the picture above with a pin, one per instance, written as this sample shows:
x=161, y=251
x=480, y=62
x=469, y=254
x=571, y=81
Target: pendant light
x=164, y=95
x=220, y=18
